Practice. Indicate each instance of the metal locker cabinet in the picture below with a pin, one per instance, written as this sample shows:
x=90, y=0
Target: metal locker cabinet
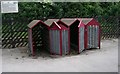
x=76, y=29
x=59, y=37
x=34, y=36
x=92, y=35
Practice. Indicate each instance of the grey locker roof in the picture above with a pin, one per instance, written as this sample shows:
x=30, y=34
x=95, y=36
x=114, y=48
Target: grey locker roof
x=34, y=22
x=86, y=20
x=68, y=21
x=50, y=21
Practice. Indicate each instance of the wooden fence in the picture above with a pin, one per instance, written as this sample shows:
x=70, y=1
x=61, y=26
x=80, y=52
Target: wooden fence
x=14, y=30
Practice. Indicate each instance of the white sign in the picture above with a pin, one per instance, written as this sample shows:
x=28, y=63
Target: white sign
x=9, y=6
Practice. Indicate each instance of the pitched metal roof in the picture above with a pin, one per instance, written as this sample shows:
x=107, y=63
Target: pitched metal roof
x=86, y=20
x=68, y=21
x=50, y=21
x=34, y=22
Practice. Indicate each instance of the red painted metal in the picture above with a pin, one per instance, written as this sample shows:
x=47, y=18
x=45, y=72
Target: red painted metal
x=85, y=37
x=78, y=42
x=37, y=22
x=41, y=23
x=69, y=39
x=59, y=26
x=79, y=25
x=92, y=22
x=63, y=27
x=55, y=26
x=33, y=53
x=61, y=43
x=50, y=44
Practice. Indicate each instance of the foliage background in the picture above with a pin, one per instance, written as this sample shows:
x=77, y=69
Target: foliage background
x=41, y=10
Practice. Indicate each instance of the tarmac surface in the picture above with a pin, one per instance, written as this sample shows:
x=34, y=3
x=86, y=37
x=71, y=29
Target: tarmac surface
x=95, y=60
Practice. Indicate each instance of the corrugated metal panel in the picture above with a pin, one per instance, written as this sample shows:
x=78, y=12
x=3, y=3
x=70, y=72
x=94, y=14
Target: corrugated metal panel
x=92, y=36
x=88, y=33
x=97, y=36
x=65, y=42
x=93, y=33
x=55, y=41
x=81, y=39
x=89, y=36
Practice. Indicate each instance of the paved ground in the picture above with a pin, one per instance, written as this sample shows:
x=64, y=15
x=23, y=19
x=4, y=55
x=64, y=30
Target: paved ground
x=0, y=60
x=119, y=56
x=103, y=60
x=0, y=57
